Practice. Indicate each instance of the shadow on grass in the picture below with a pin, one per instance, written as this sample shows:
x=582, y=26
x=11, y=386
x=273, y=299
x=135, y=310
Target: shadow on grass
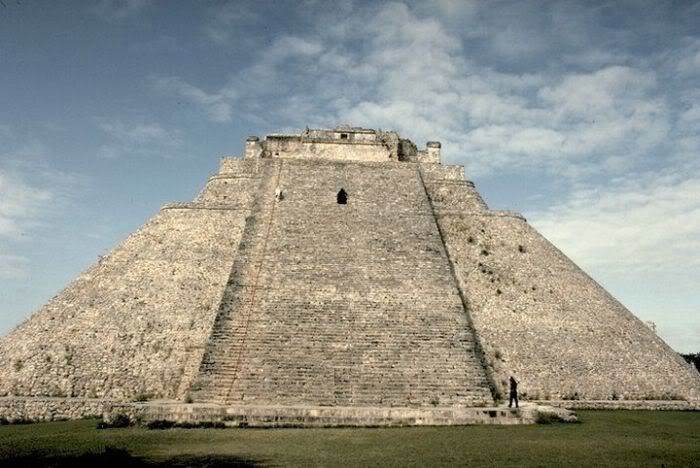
x=118, y=457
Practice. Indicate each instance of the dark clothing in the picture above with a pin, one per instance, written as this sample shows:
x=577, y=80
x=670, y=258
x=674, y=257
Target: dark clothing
x=513, y=398
x=513, y=393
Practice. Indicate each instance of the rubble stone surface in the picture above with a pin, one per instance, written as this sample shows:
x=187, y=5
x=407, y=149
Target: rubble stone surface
x=267, y=291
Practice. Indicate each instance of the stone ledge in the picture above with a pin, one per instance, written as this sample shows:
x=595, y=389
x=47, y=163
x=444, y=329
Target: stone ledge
x=488, y=214
x=199, y=206
x=456, y=182
x=319, y=416
x=233, y=175
x=652, y=405
x=43, y=409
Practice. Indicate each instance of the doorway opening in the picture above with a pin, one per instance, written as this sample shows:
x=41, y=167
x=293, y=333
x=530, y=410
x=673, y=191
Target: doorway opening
x=342, y=197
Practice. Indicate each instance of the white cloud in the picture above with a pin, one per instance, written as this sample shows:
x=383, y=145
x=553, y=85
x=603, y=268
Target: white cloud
x=416, y=79
x=685, y=337
x=144, y=139
x=13, y=267
x=420, y=69
x=32, y=193
x=464, y=11
x=140, y=133
x=290, y=46
x=120, y=9
x=686, y=133
x=215, y=105
x=411, y=73
x=646, y=223
x=27, y=188
x=225, y=20
x=688, y=58
x=5, y=133
x=161, y=44
x=20, y=203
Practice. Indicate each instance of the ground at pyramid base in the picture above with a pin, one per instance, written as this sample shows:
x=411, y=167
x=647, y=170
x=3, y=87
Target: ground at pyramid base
x=335, y=277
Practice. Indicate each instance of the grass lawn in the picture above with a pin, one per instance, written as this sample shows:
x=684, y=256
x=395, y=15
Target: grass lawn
x=603, y=438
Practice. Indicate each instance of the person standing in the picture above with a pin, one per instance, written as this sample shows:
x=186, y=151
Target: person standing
x=513, y=392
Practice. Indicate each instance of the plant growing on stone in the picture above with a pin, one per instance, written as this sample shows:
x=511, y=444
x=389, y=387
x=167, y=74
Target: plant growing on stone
x=547, y=418
x=498, y=395
x=119, y=420
x=141, y=396
x=160, y=424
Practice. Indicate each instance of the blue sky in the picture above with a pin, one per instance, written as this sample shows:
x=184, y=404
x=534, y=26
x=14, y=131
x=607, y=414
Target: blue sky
x=584, y=116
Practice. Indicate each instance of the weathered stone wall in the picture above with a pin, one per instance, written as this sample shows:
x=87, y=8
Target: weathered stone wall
x=136, y=322
x=542, y=319
x=19, y=409
x=352, y=134
x=342, y=144
x=635, y=405
x=208, y=414
x=350, y=305
x=437, y=172
x=228, y=190
x=233, y=165
x=337, y=150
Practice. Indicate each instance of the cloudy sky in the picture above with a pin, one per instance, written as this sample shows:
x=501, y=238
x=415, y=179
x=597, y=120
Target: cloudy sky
x=584, y=116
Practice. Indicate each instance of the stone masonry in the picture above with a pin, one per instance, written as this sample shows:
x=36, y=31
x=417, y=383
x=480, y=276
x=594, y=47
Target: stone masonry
x=267, y=292
x=342, y=304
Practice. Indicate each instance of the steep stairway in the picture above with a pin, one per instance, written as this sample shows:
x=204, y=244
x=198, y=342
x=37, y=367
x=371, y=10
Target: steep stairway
x=221, y=367
x=343, y=305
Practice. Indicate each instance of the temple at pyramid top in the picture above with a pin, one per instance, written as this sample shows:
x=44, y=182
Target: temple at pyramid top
x=343, y=143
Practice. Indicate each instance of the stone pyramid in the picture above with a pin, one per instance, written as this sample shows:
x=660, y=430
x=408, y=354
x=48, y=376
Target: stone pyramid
x=340, y=268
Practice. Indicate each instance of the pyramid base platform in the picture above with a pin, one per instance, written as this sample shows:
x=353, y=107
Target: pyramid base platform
x=169, y=414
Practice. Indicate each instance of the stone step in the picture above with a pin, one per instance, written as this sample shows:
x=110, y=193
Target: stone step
x=308, y=316
x=320, y=416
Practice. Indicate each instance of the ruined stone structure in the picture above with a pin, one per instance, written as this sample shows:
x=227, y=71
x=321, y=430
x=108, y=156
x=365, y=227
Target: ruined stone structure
x=341, y=269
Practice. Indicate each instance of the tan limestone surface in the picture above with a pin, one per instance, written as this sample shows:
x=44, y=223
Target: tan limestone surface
x=542, y=319
x=265, y=291
x=136, y=323
x=342, y=304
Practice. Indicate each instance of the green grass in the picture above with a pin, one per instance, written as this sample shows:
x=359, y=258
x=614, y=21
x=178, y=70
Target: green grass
x=603, y=438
